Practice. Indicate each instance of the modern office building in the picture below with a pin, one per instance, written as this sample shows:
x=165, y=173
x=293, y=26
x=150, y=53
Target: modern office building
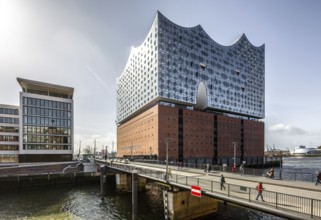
x=43, y=131
x=207, y=98
x=9, y=134
x=46, y=124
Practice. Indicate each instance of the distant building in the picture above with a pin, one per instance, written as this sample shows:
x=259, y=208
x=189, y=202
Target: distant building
x=9, y=134
x=43, y=131
x=182, y=85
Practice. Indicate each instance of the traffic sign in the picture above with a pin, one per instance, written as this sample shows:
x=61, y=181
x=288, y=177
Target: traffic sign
x=196, y=191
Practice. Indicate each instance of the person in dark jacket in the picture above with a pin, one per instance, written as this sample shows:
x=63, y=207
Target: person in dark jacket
x=222, y=182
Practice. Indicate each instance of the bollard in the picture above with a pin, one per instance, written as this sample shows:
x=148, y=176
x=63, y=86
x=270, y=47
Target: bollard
x=134, y=194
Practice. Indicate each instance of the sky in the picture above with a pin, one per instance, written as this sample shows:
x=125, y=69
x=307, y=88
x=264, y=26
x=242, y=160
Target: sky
x=85, y=44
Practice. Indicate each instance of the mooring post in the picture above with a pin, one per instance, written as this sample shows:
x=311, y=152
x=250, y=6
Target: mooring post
x=103, y=171
x=134, y=194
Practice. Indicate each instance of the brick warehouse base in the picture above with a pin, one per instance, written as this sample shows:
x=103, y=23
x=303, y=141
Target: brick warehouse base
x=195, y=136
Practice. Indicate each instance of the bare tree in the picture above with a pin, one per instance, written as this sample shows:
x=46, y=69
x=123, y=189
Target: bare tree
x=87, y=150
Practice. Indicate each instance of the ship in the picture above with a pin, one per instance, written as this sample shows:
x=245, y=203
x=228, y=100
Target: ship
x=304, y=151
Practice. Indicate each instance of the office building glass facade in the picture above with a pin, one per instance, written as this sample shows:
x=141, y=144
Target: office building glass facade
x=47, y=124
x=9, y=134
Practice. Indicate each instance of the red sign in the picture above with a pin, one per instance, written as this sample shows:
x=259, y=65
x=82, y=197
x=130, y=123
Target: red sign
x=196, y=191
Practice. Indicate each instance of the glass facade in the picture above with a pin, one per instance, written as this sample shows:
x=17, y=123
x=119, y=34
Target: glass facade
x=47, y=124
x=9, y=111
x=173, y=61
x=9, y=158
x=9, y=134
x=6, y=120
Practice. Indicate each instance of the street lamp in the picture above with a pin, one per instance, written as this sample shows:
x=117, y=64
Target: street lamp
x=150, y=148
x=167, y=141
x=106, y=153
x=234, y=143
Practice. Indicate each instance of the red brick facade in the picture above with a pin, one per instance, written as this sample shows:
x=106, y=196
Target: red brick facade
x=194, y=136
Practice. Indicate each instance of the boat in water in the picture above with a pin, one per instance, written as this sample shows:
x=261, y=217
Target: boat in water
x=304, y=151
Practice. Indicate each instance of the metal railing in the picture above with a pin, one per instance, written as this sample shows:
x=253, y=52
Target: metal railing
x=284, y=175
x=308, y=206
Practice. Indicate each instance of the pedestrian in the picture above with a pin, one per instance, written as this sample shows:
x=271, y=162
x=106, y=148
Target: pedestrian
x=317, y=175
x=222, y=182
x=170, y=172
x=233, y=169
x=241, y=170
x=259, y=189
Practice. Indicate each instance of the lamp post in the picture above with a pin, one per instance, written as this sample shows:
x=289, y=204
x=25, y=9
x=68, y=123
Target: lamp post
x=234, y=143
x=167, y=141
x=106, y=153
x=150, y=148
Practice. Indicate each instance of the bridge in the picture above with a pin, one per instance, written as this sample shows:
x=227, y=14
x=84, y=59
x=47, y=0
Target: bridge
x=287, y=199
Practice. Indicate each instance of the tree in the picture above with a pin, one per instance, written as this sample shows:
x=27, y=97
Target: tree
x=87, y=150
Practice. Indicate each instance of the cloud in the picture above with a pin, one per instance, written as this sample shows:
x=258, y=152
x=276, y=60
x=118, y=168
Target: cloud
x=287, y=130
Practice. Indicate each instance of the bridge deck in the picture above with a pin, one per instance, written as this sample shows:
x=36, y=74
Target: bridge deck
x=293, y=197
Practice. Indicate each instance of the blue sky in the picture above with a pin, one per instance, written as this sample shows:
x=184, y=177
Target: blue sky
x=85, y=45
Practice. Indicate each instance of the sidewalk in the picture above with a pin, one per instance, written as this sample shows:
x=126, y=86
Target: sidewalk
x=249, y=178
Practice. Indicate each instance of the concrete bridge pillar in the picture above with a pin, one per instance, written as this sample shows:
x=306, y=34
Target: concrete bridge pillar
x=124, y=183
x=182, y=205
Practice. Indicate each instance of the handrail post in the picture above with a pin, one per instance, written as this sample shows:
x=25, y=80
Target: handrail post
x=276, y=200
x=186, y=181
x=311, y=208
x=198, y=181
x=211, y=186
x=249, y=194
x=228, y=190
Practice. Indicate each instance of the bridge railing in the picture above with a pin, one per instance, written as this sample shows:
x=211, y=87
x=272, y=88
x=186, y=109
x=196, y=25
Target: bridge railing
x=284, y=201
x=285, y=175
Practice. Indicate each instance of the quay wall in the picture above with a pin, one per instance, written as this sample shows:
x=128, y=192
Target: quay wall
x=16, y=182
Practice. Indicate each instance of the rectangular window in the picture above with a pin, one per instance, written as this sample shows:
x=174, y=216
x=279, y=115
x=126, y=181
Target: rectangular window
x=28, y=120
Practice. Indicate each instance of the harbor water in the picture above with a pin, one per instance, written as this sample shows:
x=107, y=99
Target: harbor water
x=85, y=202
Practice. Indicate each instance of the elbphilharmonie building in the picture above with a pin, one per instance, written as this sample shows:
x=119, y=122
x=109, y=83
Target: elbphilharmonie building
x=181, y=74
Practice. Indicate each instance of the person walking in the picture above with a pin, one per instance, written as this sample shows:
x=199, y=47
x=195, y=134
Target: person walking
x=233, y=169
x=222, y=182
x=241, y=170
x=170, y=172
x=259, y=189
x=317, y=175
